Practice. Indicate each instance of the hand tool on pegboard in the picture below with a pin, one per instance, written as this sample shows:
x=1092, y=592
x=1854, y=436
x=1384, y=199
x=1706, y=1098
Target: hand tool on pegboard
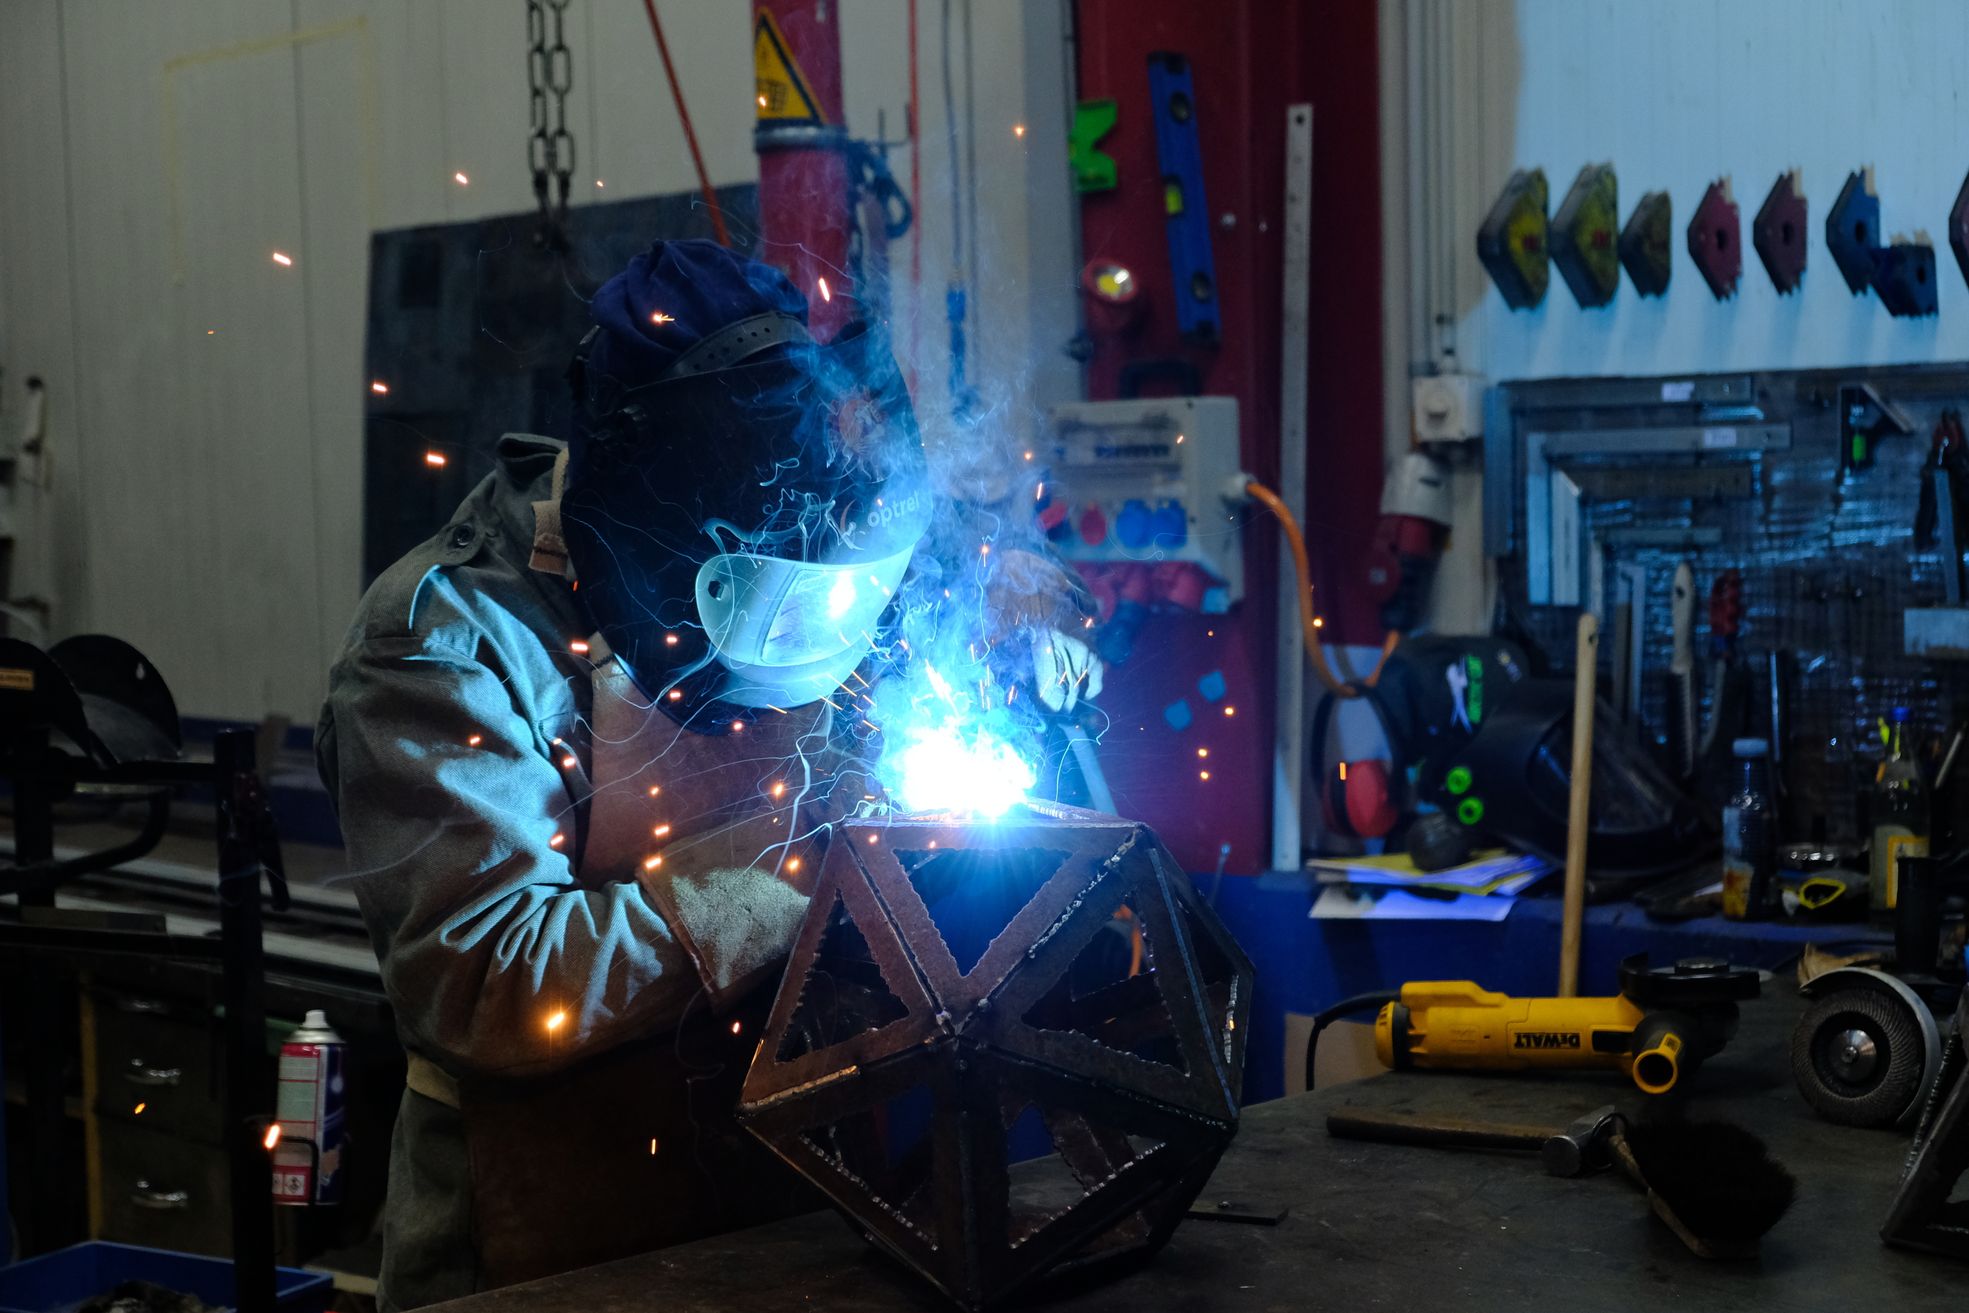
x=1683, y=725
x=1943, y=507
x=1728, y=717
x=1866, y=416
x=1192, y=268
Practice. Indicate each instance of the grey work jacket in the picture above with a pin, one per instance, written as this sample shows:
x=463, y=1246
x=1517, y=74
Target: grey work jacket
x=453, y=744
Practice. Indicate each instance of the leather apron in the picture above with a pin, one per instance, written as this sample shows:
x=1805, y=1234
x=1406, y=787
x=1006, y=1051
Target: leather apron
x=638, y=1148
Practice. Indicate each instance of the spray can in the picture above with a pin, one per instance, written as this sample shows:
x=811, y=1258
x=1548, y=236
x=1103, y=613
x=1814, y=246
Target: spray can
x=1750, y=890
x=309, y=1105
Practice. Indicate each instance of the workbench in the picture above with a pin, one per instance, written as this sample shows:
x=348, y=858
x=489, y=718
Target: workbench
x=1384, y=1226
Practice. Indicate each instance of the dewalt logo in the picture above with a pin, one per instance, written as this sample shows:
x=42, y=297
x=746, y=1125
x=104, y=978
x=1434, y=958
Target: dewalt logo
x=1545, y=1039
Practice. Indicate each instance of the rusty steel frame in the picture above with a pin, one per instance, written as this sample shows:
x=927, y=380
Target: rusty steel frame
x=968, y=1039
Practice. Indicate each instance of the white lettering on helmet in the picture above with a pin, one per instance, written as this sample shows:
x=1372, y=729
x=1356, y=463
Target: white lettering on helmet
x=881, y=515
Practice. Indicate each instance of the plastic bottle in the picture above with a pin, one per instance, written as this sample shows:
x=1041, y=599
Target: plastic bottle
x=1900, y=817
x=1750, y=885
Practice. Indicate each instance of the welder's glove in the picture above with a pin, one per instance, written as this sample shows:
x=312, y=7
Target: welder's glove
x=1030, y=592
x=1065, y=669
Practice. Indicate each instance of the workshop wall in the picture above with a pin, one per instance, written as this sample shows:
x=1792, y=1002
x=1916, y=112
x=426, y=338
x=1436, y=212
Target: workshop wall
x=205, y=402
x=1677, y=93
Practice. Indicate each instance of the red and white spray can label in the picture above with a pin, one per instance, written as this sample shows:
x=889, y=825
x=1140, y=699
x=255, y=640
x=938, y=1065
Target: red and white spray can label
x=309, y=1102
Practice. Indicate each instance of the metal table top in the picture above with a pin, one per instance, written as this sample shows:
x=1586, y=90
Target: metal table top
x=1384, y=1226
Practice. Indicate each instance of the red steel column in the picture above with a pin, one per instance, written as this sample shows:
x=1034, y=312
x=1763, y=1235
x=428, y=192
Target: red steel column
x=803, y=180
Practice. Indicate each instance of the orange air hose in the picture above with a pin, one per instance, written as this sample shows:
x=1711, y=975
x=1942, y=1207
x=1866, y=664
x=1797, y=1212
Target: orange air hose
x=1308, y=621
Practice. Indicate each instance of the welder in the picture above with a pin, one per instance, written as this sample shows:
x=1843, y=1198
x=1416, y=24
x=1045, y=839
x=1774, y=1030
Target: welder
x=586, y=743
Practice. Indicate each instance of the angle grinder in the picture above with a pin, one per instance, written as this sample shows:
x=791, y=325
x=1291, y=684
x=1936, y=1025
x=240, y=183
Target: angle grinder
x=1664, y=1022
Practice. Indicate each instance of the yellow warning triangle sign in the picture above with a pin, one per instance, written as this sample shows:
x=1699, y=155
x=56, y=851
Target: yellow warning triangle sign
x=783, y=95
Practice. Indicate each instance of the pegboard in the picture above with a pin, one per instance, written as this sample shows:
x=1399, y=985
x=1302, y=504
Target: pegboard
x=1827, y=555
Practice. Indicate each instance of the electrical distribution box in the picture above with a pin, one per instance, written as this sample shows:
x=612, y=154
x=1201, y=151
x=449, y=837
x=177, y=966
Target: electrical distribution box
x=1147, y=481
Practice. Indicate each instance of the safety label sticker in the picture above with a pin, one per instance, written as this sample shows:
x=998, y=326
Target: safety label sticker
x=784, y=96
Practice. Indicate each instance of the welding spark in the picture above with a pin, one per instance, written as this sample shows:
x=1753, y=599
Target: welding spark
x=283, y=259
x=825, y=294
x=1230, y=711
x=652, y=862
x=1203, y=752
x=670, y=640
x=779, y=789
x=1319, y=622
x=736, y=1027
x=558, y=839
x=659, y=831
x=272, y=1137
x=658, y=317
x=461, y=179
x=1203, y=775
x=655, y=789
x=435, y=459
x=1018, y=129
x=652, y=1146
x=474, y=740
x=380, y=388
x=676, y=695
x=569, y=762
x=578, y=646
x=793, y=863
x=138, y=1111
x=556, y=1019
x=600, y=183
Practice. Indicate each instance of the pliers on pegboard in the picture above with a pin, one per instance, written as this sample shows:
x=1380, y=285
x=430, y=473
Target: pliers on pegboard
x=1948, y=453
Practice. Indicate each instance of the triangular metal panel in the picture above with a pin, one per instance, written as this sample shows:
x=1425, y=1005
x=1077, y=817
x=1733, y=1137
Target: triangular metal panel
x=1087, y=848
x=842, y=880
x=1202, y=1087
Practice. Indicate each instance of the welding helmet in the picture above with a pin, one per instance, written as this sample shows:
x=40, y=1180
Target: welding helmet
x=739, y=526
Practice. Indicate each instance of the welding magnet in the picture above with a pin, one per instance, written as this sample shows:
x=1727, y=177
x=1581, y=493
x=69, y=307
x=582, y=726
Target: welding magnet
x=1644, y=244
x=1715, y=243
x=1513, y=241
x=1583, y=236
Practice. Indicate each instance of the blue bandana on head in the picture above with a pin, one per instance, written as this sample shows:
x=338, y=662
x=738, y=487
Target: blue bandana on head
x=670, y=298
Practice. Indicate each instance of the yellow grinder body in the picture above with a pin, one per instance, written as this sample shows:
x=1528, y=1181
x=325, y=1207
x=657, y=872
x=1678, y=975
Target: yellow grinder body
x=1457, y=1024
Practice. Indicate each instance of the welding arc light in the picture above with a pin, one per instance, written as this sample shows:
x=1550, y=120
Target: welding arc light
x=947, y=770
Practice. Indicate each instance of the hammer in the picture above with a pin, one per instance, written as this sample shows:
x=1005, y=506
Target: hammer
x=1713, y=1184
x=1581, y=1147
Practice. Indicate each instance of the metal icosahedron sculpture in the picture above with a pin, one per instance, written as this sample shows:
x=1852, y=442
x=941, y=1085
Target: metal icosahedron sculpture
x=964, y=993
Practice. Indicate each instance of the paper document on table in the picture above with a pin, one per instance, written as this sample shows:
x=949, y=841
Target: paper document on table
x=1350, y=903
x=1495, y=872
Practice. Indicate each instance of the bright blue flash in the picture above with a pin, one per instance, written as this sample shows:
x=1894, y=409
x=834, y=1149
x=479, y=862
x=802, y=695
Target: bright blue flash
x=950, y=747
x=946, y=769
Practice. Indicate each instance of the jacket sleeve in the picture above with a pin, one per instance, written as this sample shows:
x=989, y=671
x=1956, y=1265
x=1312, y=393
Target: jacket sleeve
x=458, y=827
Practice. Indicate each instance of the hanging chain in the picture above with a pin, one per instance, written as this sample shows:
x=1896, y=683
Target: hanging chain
x=549, y=76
